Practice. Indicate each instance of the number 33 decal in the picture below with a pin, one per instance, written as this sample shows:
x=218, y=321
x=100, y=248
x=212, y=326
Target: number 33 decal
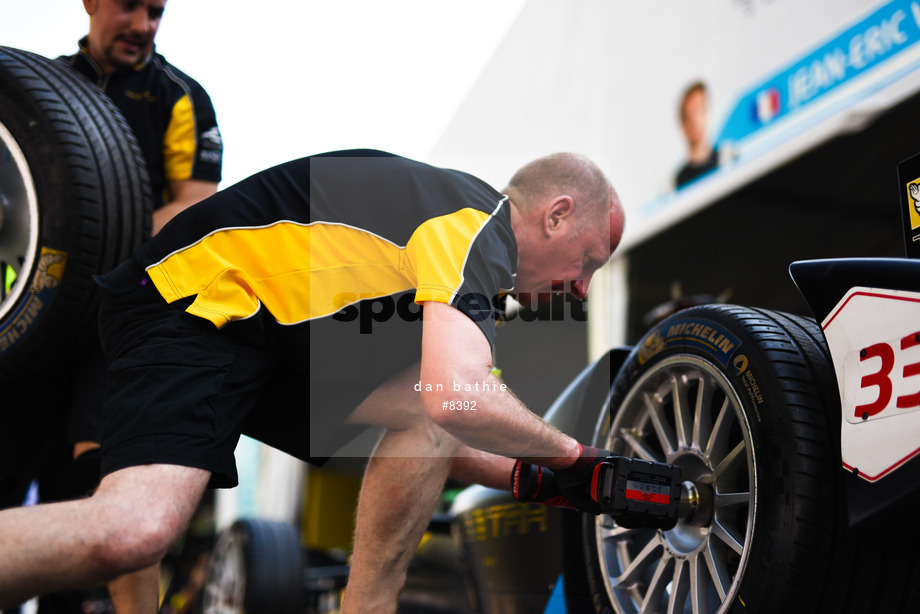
x=882, y=377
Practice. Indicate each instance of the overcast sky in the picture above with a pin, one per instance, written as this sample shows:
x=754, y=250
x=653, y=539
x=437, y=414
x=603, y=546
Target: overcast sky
x=294, y=77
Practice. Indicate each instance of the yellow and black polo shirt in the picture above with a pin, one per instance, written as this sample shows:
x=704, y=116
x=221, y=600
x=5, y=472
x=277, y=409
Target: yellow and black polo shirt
x=170, y=114
x=321, y=238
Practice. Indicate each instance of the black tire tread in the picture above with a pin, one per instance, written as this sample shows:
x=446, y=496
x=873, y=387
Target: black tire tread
x=791, y=354
x=274, y=567
x=828, y=569
x=103, y=177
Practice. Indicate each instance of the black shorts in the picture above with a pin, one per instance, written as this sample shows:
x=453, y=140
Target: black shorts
x=181, y=391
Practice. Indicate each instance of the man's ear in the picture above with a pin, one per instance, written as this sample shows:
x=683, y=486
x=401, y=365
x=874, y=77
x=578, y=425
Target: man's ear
x=90, y=6
x=559, y=210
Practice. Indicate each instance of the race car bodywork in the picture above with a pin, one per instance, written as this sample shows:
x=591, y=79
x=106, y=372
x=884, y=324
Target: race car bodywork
x=870, y=315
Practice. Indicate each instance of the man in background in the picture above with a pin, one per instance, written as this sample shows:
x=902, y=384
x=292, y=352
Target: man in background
x=702, y=157
x=170, y=113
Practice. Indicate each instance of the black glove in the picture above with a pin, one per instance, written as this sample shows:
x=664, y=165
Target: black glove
x=578, y=483
x=535, y=484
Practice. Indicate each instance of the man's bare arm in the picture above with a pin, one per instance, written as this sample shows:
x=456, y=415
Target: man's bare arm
x=185, y=193
x=455, y=354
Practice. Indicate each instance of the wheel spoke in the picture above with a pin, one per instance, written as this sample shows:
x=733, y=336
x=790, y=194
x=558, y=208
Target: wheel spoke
x=718, y=571
x=724, y=533
x=702, y=413
x=719, y=434
x=700, y=576
x=656, y=586
x=680, y=587
x=662, y=429
x=647, y=557
x=614, y=533
x=638, y=449
x=732, y=499
x=730, y=460
x=682, y=417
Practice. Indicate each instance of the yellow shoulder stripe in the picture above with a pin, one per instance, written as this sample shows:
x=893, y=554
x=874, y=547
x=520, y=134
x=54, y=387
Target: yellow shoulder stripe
x=179, y=141
x=439, y=249
x=301, y=271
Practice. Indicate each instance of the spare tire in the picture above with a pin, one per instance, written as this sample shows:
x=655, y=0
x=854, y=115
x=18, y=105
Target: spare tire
x=74, y=201
x=256, y=568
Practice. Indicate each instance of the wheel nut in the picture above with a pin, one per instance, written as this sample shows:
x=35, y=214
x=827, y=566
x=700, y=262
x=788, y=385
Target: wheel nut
x=689, y=502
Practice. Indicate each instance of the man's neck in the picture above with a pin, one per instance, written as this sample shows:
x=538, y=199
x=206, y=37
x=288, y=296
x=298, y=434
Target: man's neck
x=516, y=218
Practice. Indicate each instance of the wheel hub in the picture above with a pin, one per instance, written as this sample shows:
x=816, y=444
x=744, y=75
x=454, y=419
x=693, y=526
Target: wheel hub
x=689, y=503
x=697, y=494
x=695, y=510
x=18, y=219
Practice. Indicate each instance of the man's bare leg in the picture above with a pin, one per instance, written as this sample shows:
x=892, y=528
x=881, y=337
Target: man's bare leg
x=137, y=592
x=398, y=496
x=127, y=525
x=401, y=488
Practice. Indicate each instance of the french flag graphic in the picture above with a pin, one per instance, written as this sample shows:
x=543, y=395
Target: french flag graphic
x=767, y=104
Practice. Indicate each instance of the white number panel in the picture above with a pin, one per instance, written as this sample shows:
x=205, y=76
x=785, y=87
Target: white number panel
x=874, y=339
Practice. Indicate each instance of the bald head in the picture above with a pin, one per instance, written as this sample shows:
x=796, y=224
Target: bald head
x=567, y=174
x=567, y=220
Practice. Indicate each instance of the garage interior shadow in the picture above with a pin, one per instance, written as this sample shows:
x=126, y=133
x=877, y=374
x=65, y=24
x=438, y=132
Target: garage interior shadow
x=839, y=200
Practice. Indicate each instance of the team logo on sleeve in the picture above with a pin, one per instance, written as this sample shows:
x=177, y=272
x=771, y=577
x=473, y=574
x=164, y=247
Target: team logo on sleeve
x=212, y=145
x=213, y=137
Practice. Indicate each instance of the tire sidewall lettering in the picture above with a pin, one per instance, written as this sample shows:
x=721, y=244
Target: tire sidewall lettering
x=36, y=301
x=774, y=377
x=712, y=340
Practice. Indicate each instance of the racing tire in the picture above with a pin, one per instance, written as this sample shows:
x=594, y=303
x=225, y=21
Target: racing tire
x=743, y=401
x=256, y=568
x=74, y=202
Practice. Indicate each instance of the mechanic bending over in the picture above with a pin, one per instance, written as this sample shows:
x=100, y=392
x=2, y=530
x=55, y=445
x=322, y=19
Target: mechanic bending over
x=206, y=330
x=175, y=125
